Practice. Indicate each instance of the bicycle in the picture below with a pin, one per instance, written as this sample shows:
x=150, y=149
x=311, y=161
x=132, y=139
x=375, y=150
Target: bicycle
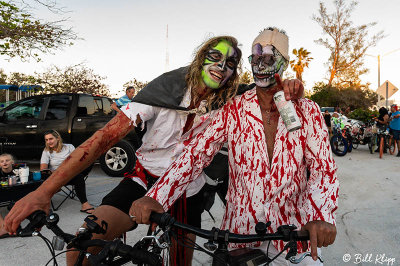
x=218, y=240
x=392, y=144
x=113, y=252
x=383, y=136
x=147, y=250
x=371, y=134
x=339, y=144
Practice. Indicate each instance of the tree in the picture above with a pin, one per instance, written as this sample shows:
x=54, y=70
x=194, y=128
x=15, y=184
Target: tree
x=364, y=115
x=17, y=78
x=302, y=61
x=75, y=79
x=138, y=85
x=353, y=97
x=24, y=36
x=3, y=77
x=347, y=43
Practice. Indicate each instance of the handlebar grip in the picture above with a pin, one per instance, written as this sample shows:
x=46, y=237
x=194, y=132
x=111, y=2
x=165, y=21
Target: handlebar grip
x=302, y=235
x=162, y=219
x=36, y=220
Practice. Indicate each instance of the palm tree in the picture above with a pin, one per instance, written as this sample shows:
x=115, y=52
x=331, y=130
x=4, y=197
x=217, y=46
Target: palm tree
x=298, y=65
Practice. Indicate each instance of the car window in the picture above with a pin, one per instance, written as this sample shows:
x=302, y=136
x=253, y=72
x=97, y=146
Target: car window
x=86, y=105
x=98, y=106
x=58, y=107
x=27, y=109
x=107, y=106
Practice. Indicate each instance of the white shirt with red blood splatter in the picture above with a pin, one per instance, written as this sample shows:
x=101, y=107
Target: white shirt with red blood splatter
x=258, y=191
x=163, y=141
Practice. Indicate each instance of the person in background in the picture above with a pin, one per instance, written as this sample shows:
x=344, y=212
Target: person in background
x=382, y=123
x=53, y=155
x=327, y=117
x=395, y=125
x=337, y=122
x=124, y=100
x=7, y=167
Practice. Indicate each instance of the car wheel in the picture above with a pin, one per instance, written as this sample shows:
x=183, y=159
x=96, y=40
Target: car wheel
x=119, y=159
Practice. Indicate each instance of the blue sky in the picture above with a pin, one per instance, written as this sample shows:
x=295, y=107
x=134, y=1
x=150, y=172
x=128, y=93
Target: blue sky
x=127, y=39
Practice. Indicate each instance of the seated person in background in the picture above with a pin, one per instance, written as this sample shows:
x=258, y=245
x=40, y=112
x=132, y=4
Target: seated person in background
x=6, y=164
x=53, y=155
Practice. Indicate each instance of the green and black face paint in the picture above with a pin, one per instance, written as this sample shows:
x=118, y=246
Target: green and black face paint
x=219, y=65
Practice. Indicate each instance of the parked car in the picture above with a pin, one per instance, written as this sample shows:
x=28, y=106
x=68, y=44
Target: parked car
x=330, y=109
x=75, y=116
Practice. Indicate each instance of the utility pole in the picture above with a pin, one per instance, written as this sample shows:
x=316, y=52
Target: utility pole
x=167, y=54
x=379, y=73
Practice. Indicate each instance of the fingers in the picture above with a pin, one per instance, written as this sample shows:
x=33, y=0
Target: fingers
x=313, y=242
x=153, y=227
x=141, y=209
x=14, y=219
x=278, y=81
x=293, y=89
x=304, y=245
x=322, y=234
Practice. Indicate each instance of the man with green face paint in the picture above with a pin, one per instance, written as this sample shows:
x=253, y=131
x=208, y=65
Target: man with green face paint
x=219, y=65
x=175, y=107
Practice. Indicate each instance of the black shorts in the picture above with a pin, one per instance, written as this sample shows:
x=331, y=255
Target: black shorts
x=396, y=134
x=127, y=191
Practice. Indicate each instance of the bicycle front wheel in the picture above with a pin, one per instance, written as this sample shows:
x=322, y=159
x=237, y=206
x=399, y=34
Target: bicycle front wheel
x=339, y=145
x=372, y=144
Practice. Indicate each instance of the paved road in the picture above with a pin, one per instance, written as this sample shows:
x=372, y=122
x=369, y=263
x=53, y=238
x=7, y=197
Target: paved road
x=368, y=217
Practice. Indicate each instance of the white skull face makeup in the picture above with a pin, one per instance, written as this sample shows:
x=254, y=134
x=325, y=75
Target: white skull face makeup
x=265, y=62
x=219, y=65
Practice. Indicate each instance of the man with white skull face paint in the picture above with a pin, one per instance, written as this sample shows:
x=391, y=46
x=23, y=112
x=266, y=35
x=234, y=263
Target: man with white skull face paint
x=176, y=107
x=267, y=163
x=269, y=57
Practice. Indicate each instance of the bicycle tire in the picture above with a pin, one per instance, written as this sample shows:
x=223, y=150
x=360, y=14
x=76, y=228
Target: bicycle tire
x=381, y=147
x=392, y=145
x=350, y=145
x=339, y=145
x=355, y=145
x=372, y=144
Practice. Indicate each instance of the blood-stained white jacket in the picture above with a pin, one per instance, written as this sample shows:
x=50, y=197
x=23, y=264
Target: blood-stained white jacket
x=258, y=191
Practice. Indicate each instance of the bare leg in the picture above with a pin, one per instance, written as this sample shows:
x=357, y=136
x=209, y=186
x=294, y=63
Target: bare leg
x=2, y=230
x=86, y=206
x=188, y=251
x=398, y=148
x=118, y=223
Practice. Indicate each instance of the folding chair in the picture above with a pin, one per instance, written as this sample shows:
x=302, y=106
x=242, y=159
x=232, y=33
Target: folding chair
x=70, y=192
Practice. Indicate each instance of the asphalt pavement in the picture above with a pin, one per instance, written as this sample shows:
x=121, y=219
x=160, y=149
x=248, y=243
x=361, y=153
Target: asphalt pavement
x=368, y=217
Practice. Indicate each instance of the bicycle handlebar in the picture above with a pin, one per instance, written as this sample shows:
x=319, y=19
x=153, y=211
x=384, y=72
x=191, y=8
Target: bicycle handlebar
x=284, y=233
x=39, y=218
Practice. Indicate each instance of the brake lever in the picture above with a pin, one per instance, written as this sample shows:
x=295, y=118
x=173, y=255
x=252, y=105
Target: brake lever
x=155, y=238
x=302, y=257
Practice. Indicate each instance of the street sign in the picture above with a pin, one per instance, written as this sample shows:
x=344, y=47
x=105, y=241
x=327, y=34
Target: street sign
x=391, y=89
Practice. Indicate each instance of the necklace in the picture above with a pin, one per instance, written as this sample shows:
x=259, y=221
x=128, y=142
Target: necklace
x=269, y=115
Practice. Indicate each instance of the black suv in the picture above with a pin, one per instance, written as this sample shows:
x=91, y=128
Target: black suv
x=75, y=116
